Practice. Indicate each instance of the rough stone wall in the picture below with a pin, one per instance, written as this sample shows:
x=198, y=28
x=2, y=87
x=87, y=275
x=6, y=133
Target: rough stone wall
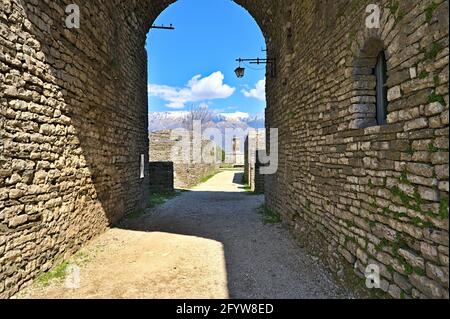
x=375, y=195
x=187, y=173
x=72, y=130
x=247, y=162
x=259, y=184
x=73, y=124
x=161, y=177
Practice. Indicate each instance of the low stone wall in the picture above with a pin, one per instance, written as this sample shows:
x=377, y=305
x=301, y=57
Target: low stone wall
x=161, y=177
x=186, y=173
x=255, y=142
x=258, y=185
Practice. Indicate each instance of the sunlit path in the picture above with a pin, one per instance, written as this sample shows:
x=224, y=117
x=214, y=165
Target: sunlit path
x=206, y=243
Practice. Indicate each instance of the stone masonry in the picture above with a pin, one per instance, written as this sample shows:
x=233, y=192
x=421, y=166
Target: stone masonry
x=73, y=127
x=186, y=173
x=259, y=180
x=254, y=143
x=161, y=177
x=360, y=194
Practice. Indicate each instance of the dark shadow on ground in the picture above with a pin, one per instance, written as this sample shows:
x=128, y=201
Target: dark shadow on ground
x=262, y=261
x=239, y=178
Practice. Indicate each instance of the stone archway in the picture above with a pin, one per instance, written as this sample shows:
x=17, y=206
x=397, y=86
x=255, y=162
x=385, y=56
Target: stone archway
x=76, y=105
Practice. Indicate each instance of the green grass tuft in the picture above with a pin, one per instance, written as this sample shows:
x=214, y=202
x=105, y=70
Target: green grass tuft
x=57, y=273
x=419, y=200
x=410, y=150
x=357, y=5
x=269, y=216
x=400, y=15
x=399, y=242
x=431, y=54
x=390, y=269
x=432, y=148
x=207, y=178
x=393, y=7
x=136, y=214
x=419, y=271
x=157, y=199
x=429, y=11
x=434, y=97
x=408, y=268
x=249, y=190
x=404, y=177
x=383, y=243
x=404, y=198
x=396, y=11
x=423, y=75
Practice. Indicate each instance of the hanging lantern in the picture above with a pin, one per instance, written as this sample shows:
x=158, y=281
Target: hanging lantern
x=240, y=72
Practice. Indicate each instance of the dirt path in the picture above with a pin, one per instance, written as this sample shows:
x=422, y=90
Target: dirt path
x=206, y=243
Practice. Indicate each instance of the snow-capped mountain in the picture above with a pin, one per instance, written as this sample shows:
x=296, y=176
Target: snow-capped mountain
x=172, y=120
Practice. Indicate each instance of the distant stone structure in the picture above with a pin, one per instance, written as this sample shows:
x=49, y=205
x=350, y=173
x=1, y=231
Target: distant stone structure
x=186, y=171
x=255, y=142
x=235, y=156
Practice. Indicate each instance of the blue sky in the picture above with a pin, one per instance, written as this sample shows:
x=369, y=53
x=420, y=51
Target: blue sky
x=194, y=64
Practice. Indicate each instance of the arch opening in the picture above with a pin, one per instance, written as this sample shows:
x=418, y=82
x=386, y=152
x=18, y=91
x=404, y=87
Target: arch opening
x=195, y=96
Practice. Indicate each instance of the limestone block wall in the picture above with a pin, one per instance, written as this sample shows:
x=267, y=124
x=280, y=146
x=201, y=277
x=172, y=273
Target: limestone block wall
x=187, y=173
x=371, y=195
x=259, y=180
x=161, y=177
x=72, y=130
x=73, y=127
x=255, y=142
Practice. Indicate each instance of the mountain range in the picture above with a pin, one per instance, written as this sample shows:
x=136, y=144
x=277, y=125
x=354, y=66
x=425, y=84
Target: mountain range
x=172, y=120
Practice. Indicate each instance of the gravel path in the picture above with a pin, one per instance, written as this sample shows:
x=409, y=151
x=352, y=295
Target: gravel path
x=205, y=243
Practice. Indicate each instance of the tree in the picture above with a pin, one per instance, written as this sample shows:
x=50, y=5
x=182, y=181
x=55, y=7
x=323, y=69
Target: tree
x=200, y=113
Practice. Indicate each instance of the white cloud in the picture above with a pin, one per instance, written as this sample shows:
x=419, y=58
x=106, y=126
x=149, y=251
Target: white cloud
x=259, y=92
x=171, y=115
x=198, y=89
x=235, y=116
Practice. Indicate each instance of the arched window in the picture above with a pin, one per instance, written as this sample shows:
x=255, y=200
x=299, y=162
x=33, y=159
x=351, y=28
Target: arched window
x=369, y=101
x=381, y=89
